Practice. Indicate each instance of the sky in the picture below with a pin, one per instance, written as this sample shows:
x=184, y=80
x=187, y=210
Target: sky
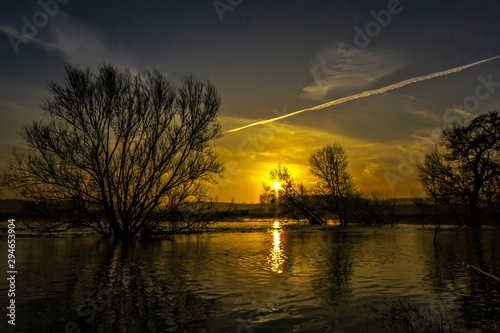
x=268, y=59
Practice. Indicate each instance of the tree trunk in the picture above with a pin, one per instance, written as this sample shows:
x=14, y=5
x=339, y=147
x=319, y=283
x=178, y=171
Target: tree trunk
x=124, y=234
x=474, y=213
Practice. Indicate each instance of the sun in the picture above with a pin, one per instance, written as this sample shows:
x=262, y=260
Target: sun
x=276, y=185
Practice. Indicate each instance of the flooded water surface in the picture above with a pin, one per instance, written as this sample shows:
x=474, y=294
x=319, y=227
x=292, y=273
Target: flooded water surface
x=259, y=277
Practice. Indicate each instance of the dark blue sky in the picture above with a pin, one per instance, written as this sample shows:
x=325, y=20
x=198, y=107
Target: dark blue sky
x=265, y=55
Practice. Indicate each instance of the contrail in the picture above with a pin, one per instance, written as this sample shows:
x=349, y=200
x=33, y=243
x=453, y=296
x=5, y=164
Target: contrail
x=370, y=92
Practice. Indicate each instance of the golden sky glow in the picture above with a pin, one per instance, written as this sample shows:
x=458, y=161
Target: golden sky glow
x=251, y=154
x=383, y=147
x=267, y=69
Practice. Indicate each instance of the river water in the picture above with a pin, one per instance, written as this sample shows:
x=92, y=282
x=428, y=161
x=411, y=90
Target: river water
x=258, y=277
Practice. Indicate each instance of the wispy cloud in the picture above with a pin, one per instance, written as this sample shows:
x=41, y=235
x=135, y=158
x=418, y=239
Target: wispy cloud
x=79, y=43
x=369, y=93
x=427, y=115
x=84, y=45
x=10, y=30
x=332, y=73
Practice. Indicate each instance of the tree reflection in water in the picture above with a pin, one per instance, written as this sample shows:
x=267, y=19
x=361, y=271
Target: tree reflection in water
x=472, y=299
x=335, y=269
x=132, y=293
x=276, y=280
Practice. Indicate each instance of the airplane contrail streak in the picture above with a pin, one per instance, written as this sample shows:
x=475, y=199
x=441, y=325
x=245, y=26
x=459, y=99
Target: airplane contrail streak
x=370, y=92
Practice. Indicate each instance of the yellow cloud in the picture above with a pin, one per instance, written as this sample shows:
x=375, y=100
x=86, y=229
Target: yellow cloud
x=252, y=153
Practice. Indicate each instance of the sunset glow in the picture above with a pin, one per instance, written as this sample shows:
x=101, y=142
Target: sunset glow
x=250, y=166
x=286, y=87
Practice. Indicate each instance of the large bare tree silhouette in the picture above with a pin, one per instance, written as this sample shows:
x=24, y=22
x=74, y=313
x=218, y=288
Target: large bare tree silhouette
x=126, y=152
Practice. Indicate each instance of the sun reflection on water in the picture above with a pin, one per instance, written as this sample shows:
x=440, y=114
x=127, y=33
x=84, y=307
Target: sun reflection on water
x=277, y=256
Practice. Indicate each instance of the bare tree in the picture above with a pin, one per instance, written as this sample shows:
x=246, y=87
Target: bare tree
x=267, y=197
x=461, y=171
x=294, y=200
x=334, y=196
x=129, y=152
x=335, y=186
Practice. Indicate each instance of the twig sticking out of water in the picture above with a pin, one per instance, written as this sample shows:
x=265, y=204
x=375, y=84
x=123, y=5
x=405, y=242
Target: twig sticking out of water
x=480, y=271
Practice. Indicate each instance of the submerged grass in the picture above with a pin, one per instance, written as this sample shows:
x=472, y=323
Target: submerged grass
x=404, y=315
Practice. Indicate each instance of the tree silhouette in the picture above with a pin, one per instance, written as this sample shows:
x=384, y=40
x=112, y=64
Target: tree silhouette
x=128, y=152
x=335, y=186
x=267, y=198
x=334, y=196
x=463, y=170
x=294, y=200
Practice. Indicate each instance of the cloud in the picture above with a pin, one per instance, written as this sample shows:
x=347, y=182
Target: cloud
x=80, y=44
x=257, y=150
x=10, y=30
x=333, y=73
x=370, y=168
x=84, y=45
x=426, y=115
